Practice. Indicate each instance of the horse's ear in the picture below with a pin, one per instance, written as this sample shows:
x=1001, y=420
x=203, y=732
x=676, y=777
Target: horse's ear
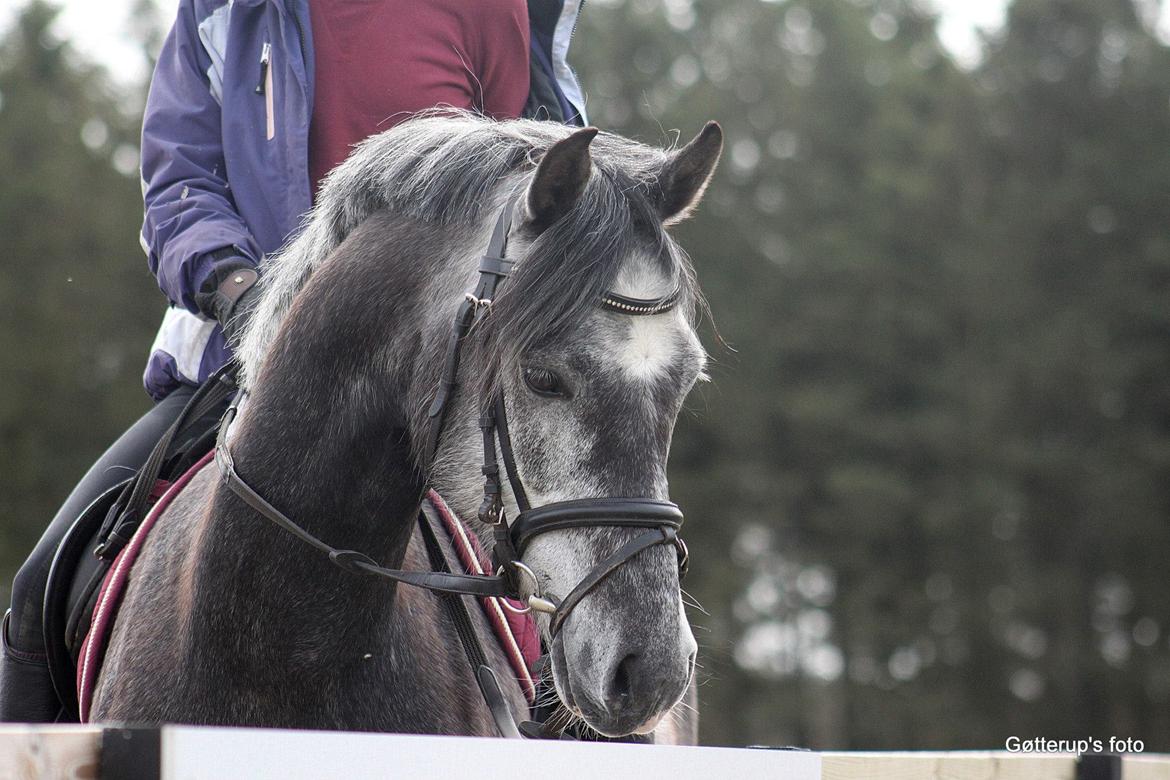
x=686, y=174
x=559, y=179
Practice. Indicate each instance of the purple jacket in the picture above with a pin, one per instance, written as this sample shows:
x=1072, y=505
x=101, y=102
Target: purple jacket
x=211, y=177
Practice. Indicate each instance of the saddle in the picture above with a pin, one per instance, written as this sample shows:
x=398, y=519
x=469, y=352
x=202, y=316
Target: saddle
x=89, y=549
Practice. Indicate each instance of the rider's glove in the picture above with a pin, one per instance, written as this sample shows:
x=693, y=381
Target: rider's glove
x=227, y=292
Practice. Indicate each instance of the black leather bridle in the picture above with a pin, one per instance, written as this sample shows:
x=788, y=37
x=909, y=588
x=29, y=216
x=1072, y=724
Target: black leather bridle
x=662, y=519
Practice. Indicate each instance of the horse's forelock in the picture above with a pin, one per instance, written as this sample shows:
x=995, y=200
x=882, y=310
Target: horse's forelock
x=567, y=269
x=446, y=167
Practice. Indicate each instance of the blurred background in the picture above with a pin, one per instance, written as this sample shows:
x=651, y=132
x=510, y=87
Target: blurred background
x=929, y=489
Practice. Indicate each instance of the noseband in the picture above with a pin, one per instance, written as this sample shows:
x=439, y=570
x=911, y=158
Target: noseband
x=661, y=519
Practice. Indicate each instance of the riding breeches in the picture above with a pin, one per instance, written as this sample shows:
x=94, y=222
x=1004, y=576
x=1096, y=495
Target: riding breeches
x=22, y=695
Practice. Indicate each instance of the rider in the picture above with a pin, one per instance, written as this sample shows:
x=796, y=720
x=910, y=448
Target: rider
x=252, y=102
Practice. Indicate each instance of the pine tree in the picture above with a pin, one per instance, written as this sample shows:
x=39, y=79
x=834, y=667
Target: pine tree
x=77, y=303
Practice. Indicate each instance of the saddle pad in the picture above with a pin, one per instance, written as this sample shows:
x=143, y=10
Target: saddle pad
x=516, y=632
x=93, y=650
x=513, y=624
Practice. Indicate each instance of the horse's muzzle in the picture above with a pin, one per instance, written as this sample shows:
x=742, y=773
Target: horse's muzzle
x=628, y=686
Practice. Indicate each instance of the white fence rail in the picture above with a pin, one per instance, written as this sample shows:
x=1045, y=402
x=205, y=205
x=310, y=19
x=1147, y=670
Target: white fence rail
x=191, y=753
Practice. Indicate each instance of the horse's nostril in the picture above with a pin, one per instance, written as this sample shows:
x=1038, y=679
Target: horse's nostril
x=620, y=689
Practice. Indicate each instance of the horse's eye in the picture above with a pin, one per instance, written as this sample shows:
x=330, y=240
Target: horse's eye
x=543, y=382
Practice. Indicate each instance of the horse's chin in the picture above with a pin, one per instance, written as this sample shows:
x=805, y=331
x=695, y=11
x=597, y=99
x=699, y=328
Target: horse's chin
x=560, y=677
x=650, y=725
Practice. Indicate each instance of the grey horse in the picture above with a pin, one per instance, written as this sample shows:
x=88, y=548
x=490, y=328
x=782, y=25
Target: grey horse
x=229, y=620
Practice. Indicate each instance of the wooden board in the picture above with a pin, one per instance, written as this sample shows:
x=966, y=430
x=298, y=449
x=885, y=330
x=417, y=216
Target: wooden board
x=49, y=753
x=948, y=766
x=191, y=753
x=1152, y=767
x=290, y=754
x=224, y=754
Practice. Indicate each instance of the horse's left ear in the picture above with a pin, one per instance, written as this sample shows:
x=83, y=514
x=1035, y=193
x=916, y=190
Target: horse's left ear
x=686, y=174
x=559, y=179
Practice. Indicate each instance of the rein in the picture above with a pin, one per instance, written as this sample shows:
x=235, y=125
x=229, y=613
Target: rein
x=349, y=560
x=661, y=519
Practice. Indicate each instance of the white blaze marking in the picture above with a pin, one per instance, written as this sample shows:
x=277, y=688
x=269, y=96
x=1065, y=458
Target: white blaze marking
x=649, y=348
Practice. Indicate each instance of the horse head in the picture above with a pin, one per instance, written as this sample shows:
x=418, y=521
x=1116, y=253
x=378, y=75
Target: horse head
x=592, y=393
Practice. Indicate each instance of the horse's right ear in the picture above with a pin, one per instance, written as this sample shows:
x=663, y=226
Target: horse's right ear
x=559, y=179
x=687, y=173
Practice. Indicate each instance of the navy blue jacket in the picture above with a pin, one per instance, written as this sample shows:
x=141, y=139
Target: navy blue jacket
x=213, y=178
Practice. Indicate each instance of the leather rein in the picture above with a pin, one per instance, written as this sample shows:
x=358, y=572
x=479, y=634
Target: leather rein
x=661, y=519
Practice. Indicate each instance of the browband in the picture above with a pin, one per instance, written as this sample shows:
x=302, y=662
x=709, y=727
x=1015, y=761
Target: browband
x=639, y=306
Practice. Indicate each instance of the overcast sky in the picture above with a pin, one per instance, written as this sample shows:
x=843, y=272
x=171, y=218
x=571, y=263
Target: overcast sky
x=97, y=27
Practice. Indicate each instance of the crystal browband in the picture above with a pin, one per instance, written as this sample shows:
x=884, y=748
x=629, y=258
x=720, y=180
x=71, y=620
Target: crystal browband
x=624, y=305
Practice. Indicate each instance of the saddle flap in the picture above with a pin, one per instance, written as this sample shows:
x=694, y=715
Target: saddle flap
x=70, y=592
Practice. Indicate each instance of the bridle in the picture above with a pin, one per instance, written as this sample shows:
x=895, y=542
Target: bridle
x=660, y=519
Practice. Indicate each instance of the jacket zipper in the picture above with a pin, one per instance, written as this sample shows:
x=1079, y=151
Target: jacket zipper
x=264, y=89
x=576, y=20
x=292, y=9
x=265, y=58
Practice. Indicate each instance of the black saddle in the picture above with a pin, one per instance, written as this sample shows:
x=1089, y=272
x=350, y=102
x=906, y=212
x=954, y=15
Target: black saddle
x=93, y=542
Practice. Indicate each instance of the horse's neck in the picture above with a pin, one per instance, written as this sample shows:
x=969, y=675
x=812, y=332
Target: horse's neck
x=325, y=435
x=351, y=483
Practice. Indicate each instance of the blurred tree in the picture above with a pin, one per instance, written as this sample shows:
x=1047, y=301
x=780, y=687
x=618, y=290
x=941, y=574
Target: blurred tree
x=77, y=305
x=929, y=486
x=1074, y=207
x=946, y=293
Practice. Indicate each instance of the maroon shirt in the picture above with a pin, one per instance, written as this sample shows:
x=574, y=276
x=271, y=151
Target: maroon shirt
x=379, y=61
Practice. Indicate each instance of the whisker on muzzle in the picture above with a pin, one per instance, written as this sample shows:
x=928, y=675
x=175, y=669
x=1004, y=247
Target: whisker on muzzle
x=690, y=600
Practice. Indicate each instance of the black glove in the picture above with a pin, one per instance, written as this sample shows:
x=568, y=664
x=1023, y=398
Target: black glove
x=228, y=292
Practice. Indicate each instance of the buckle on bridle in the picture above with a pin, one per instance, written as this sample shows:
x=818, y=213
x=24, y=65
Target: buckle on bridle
x=535, y=602
x=491, y=511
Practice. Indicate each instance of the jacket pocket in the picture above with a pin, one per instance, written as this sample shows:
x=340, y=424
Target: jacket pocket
x=265, y=89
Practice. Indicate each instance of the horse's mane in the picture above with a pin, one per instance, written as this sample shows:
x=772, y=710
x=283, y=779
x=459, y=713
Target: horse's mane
x=446, y=167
